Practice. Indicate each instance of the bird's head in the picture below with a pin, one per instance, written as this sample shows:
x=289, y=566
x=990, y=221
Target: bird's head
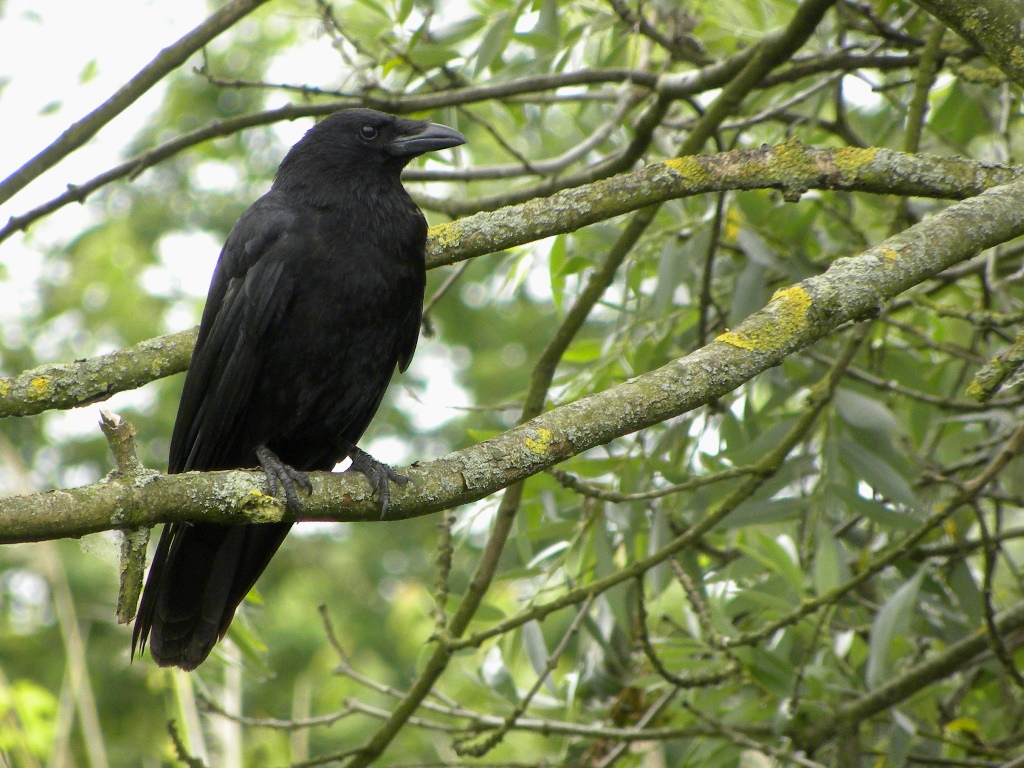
x=364, y=139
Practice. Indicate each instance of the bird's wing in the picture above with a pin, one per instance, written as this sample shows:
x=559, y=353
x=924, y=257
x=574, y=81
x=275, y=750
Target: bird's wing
x=249, y=293
x=409, y=326
x=409, y=334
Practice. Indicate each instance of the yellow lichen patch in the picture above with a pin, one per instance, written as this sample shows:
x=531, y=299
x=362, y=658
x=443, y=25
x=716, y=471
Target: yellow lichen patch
x=774, y=325
x=689, y=167
x=259, y=507
x=977, y=391
x=850, y=160
x=443, y=237
x=540, y=443
x=737, y=340
x=795, y=168
x=889, y=256
x=791, y=151
x=5, y=388
x=39, y=387
x=795, y=299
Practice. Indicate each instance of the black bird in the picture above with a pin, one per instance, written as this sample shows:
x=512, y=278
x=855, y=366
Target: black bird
x=316, y=298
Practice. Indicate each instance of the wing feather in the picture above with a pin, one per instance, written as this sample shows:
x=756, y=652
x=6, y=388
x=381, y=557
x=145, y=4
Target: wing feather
x=249, y=293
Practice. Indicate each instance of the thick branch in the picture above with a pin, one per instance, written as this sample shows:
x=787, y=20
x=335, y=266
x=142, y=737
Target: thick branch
x=851, y=289
x=995, y=26
x=790, y=167
x=94, y=379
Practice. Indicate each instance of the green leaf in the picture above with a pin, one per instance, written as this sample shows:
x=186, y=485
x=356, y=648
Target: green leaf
x=583, y=351
x=856, y=504
x=772, y=554
x=496, y=39
x=866, y=413
x=495, y=674
x=488, y=612
x=537, y=652
x=248, y=641
x=830, y=569
x=892, y=621
x=758, y=251
x=958, y=118
x=429, y=56
x=404, y=9
x=748, y=445
x=547, y=30
x=672, y=271
x=901, y=737
x=458, y=31
x=658, y=537
x=879, y=474
x=549, y=551
x=765, y=511
x=970, y=599
x=375, y=6
x=772, y=670
x=751, y=292
x=89, y=72
x=604, y=565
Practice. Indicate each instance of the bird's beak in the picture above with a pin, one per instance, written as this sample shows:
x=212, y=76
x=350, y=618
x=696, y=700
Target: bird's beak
x=430, y=138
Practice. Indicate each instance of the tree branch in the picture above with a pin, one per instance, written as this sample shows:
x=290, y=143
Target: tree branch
x=790, y=167
x=70, y=385
x=995, y=26
x=853, y=288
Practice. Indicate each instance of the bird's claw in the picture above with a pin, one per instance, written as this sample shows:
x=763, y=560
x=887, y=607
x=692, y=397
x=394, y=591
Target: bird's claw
x=280, y=476
x=378, y=473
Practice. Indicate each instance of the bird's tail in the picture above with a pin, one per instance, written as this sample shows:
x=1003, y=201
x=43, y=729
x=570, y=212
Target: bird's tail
x=200, y=574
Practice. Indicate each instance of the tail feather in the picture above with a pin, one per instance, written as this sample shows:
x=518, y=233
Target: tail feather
x=200, y=574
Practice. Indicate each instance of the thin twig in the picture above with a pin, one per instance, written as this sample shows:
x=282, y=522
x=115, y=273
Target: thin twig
x=691, y=680
x=449, y=281
x=991, y=550
x=445, y=550
x=744, y=741
x=648, y=717
x=495, y=738
x=179, y=747
x=572, y=482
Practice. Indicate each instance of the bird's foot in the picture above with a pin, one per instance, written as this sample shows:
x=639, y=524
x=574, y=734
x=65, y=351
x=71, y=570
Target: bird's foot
x=281, y=476
x=378, y=473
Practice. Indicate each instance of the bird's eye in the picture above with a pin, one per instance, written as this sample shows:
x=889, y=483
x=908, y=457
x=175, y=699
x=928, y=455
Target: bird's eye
x=368, y=132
